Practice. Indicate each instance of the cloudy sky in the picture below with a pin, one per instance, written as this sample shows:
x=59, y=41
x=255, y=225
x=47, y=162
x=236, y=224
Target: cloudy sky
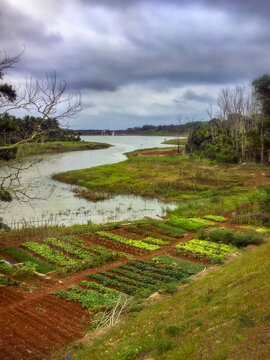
x=139, y=62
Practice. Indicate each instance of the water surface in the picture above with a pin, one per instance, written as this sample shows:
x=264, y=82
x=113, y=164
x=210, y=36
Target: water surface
x=62, y=207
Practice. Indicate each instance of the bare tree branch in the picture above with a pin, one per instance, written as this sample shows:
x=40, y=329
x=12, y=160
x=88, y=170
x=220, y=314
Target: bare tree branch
x=45, y=99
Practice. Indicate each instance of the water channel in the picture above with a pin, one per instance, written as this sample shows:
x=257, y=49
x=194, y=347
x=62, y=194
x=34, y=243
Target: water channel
x=62, y=207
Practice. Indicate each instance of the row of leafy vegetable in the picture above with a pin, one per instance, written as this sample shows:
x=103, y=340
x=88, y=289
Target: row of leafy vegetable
x=148, y=243
x=58, y=252
x=217, y=244
x=135, y=278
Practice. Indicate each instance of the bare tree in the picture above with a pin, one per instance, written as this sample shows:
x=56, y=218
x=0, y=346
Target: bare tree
x=45, y=99
x=238, y=112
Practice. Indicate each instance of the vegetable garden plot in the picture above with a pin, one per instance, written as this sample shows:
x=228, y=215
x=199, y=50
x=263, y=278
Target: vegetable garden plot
x=217, y=218
x=191, y=224
x=199, y=248
x=168, y=229
x=134, y=277
x=135, y=243
x=72, y=255
x=91, y=298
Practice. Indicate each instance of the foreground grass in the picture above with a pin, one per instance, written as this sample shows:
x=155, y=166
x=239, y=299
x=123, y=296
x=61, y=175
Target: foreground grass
x=201, y=187
x=59, y=146
x=225, y=315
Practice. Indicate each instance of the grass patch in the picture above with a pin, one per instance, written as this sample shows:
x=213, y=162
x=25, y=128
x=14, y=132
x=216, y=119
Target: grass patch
x=22, y=256
x=201, y=188
x=180, y=141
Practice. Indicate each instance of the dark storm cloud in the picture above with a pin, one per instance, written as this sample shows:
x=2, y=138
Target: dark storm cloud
x=18, y=28
x=91, y=85
x=193, y=96
x=244, y=6
x=102, y=46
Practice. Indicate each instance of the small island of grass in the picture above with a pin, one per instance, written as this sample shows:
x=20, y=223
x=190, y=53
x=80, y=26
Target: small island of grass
x=49, y=147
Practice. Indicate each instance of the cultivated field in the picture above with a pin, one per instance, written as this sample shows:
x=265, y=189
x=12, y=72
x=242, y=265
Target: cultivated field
x=63, y=280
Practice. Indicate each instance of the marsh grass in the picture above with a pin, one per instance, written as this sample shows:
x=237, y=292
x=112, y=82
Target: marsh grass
x=201, y=188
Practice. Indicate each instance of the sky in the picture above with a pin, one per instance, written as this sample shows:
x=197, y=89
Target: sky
x=138, y=62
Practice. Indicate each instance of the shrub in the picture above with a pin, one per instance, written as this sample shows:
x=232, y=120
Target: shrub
x=230, y=237
x=265, y=200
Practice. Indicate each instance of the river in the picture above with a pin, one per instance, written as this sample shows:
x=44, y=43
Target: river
x=62, y=207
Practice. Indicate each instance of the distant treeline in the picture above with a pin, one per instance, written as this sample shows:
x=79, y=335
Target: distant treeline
x=241, y=132
x=13, y=130
x=162, y=130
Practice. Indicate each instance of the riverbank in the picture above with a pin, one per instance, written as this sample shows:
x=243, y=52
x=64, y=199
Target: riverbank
x=195, y=183
x=52, y=147
x=62, y=207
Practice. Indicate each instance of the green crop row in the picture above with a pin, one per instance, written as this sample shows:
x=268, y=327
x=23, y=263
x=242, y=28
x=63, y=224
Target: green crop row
x=192, y=224
x=97, y=249
x=169, y=229
x=176, y=273
x=136, y=243
x=54, y=256
x=135, y=275
x=154, y=241
x=217, y=218
x=95, y=286
x=206, y=248
x=90, y=298
x=80, y=253
x=135, y=282
x=129, y=289
x=183, y=223
x=203, y=222
x=149, y=273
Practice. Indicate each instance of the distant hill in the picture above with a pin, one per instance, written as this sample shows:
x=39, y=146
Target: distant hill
x=162, y=130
